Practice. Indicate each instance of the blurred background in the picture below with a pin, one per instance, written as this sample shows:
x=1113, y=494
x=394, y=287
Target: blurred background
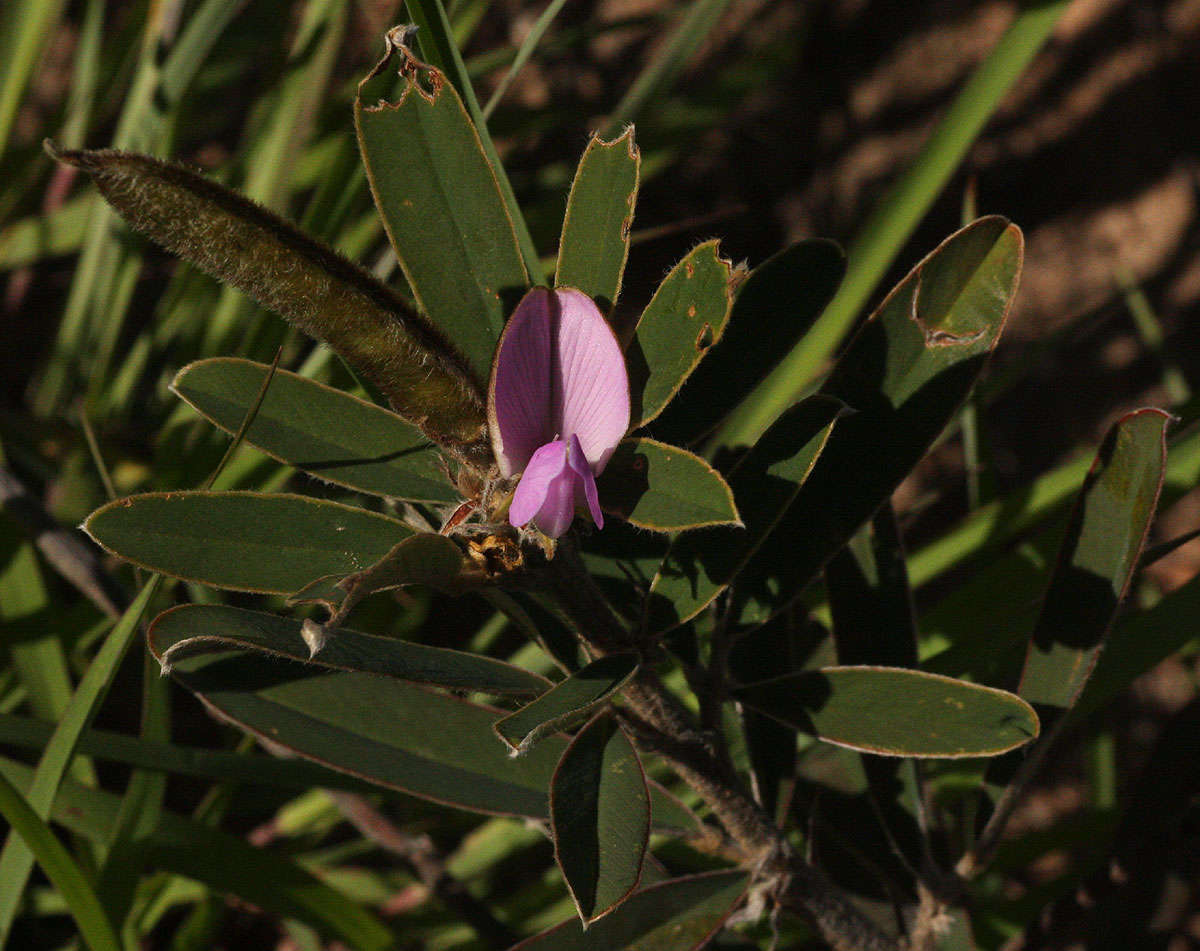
x=760, y=121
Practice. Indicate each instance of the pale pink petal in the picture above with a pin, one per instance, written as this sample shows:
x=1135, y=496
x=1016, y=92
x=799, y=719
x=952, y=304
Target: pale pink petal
x=522, y=410
x=549, y=463
x=591, y=385
x=586, y=495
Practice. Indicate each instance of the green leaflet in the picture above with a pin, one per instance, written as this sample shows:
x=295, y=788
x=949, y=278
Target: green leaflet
x=192, y=629
x=1099, y=556
x=893, y=711
x=244, y=541
x=595, y=232
x=664, y=488
x=684, y=319
x=600, y=815
x=301, y=279
x=567, y=703
x=441, y=205
x=766, y=481
x=679, y=914
x=329, y=434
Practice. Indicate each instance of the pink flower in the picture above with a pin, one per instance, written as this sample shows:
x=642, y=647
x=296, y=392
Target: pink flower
x=558, y=405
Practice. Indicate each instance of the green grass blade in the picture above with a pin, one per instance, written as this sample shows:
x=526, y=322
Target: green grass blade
x=895, y=219
x=668, y=65
x=99, y=296
x=528, y=45
x=60, y=868
x=27, y=28
x=437, y=43
x=271, y=155
x=225, y=863
x=16, y=859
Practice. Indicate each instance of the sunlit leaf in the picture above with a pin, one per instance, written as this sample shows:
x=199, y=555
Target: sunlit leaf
x=244, y=541
x=595, y=232
x=684, y=319
x=664, y=488
x=329, y=434
x=441, y=205
x=772, y=309
x=893, y=711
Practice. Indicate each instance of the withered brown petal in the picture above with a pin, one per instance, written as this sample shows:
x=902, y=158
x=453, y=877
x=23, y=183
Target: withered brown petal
x=308, y=283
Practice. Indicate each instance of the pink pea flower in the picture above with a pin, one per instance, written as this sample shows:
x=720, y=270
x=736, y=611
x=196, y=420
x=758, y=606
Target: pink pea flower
x=558, y=405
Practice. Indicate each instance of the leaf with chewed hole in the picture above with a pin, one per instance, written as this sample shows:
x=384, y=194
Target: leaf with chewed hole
x=905, y=374
x=441, y=205
x=595, y=232
x=684, y=319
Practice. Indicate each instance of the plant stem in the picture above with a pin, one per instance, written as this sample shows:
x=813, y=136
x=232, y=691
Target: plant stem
x=663, y=726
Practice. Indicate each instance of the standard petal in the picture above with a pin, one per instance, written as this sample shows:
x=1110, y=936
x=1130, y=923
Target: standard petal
x=586, y=495
x=521, y=408
x=590, y=383
x=547, y=464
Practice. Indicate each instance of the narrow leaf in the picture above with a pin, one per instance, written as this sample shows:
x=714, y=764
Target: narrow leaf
x=664, y=488
x=244, y=541
x=684, y=319
x=301, y=279
x=225, y=863
x=329, y=434
x=193, y=629
x=441, y=205
x=77, y=892
x=600, y=815
x=376, y=728
x=766, y=482
x=595, y=233
x=1104, y=540
x=567, y=703
x=680, y=914
x=905, y=375
x=16, y=859
x=215, y=765
x=892, y=711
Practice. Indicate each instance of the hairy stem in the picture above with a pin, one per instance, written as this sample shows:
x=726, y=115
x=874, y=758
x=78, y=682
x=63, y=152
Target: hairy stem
x=662, y=725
